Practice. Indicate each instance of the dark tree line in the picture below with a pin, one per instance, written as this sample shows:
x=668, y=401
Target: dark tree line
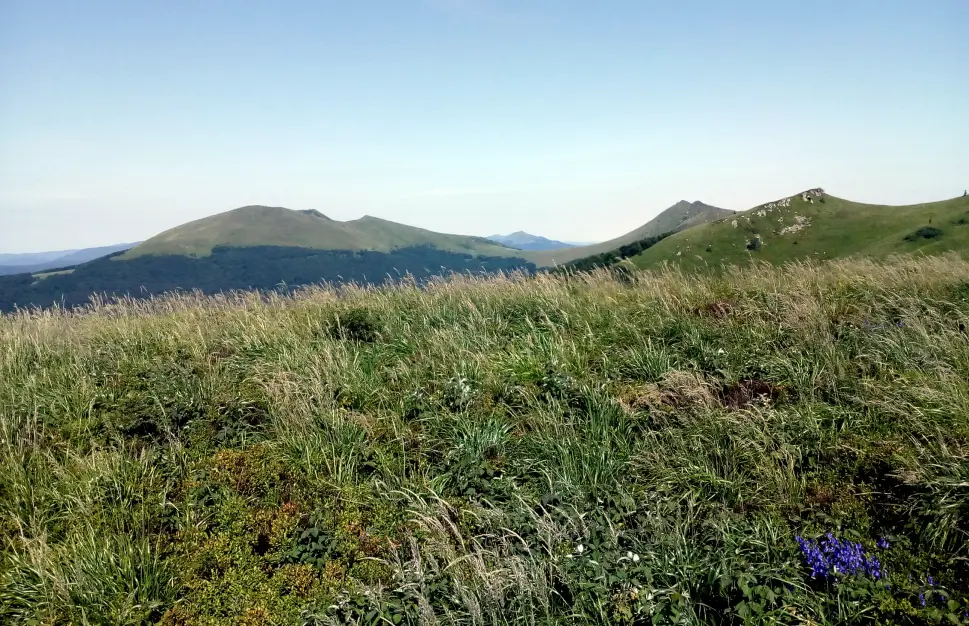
x=230, y=269
x=266, y=268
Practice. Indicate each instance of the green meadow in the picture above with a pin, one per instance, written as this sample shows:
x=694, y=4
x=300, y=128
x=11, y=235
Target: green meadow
x=598, y=448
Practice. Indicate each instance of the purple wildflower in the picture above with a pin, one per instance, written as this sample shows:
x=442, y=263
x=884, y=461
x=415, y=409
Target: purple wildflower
x=931, y=581
x=922, y=598
x=815, y=558
x=883, y=543
x=834, y=556
x=874, y=568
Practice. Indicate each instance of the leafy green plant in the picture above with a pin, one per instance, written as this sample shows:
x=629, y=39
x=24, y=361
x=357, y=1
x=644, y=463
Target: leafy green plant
x=358, y=324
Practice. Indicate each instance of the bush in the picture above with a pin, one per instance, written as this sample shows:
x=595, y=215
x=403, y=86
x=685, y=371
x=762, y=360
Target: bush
x=357, y=324
x=926, y=232
x=754, y=244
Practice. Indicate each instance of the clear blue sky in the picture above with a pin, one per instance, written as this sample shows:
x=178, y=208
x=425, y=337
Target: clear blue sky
x=574, y=119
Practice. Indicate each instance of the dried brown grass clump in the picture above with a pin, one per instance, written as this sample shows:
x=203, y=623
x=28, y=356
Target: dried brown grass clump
x=718, y=309
x=678, y=389
x=689, y=391
x=747, y=392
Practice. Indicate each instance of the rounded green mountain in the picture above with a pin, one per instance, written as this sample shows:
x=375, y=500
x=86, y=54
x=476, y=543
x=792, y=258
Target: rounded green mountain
x=276, y=226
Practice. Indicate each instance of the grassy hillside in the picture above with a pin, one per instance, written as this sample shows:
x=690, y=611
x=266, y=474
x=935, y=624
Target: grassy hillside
x=549, y=450
x=681, y=215
x=276, y=226
x=821, y=227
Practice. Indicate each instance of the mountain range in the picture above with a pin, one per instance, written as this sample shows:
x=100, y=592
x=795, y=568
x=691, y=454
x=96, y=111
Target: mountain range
x=276, y=226
x=263, y=248
x=41, y=261
x=260, y=247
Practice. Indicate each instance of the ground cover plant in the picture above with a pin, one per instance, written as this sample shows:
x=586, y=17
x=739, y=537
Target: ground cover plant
x=770, y=445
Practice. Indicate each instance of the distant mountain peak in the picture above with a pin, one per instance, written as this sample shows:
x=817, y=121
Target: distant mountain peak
x=260, y=207
x=527, y=241
x=682, y=215
x=314, y=213
x=694, y=204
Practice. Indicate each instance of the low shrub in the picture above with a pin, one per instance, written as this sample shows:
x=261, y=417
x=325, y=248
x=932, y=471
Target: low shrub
x=926, y=232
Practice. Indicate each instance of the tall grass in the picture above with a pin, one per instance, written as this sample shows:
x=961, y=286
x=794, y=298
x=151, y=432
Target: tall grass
x=499, y=450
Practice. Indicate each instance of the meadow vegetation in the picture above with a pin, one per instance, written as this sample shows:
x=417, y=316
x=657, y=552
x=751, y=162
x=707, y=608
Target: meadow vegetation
x=651, y=447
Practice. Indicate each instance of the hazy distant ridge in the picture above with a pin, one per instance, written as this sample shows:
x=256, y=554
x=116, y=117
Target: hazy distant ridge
x=41, y=261
x=526, y=241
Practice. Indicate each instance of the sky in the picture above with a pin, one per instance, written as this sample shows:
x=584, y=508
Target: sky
x=578, y=120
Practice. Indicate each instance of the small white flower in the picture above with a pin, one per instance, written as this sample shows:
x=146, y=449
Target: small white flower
x=629, y=555
x=721, y=351
x=635, y=558
x=580, y=549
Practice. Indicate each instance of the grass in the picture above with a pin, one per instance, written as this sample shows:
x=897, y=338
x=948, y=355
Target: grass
x=276, y=226
x=832, y=229
x=512, y=450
